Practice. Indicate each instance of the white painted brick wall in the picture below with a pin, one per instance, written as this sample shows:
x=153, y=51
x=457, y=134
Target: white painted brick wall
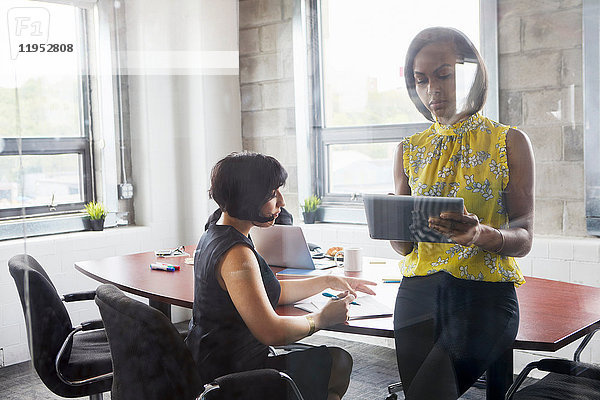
x=561, y=249
x=585, y=273
x=526, y=266
x=586, y=250
x=557, y=270
x=12, y=314
x=11, y=335
x=539, y=248
x=16, y=353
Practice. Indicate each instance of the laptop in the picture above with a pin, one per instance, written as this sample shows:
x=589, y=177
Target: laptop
x=398, y=217
x=285, y=246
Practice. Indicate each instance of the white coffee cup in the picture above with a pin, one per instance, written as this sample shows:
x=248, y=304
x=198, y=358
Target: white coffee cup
x=352, y=259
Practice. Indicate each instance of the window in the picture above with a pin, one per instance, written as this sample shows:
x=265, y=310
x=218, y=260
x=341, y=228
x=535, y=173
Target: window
x=361, y=109
x=45, y=117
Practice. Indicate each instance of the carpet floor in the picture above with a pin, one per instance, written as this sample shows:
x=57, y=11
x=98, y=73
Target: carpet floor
x=374, y=369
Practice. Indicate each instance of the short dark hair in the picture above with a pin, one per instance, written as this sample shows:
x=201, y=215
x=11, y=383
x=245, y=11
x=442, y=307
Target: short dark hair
x=465, y=49
x=242, y=183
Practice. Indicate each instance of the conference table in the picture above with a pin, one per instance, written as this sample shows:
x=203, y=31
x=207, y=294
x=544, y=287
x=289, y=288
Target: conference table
x=553, y=314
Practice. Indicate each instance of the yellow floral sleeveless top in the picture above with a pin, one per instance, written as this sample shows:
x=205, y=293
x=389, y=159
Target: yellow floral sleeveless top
x=468, y=160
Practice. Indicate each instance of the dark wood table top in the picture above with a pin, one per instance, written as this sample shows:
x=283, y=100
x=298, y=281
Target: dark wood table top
x=131, y=273
x=552, y=314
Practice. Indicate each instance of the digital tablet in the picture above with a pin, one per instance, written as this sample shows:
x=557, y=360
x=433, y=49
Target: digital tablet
x=396, y=217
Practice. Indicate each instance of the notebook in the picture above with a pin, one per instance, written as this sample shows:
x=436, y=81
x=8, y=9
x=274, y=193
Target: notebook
x=285, y=246
x=368, y=307
x=396, y=217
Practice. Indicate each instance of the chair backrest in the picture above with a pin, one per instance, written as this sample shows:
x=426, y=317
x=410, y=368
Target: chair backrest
x=48, y=323
x=150, y=359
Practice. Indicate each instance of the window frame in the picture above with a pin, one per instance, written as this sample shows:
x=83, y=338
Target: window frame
x=80, y=145
x=347, y=208
x=51, y=146
x=591, y=123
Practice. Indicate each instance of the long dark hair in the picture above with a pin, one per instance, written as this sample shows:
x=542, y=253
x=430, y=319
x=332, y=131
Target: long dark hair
x=242, y=183
x=465, y=50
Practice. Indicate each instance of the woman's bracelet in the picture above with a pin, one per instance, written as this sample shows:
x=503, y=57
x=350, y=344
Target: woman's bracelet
x=499, y=249
x=311, y=323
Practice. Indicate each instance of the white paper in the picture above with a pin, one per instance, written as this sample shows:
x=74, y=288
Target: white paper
x=369, y=307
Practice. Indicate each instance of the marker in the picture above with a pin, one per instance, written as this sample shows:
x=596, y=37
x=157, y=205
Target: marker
x=175, y=267
x=333, y=296
x=391, y=280
x=162, y=267
x=377, y=262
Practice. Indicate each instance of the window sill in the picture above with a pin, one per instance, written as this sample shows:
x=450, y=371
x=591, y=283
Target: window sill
x=41, y=226
x=338, y=226
x=342, y=215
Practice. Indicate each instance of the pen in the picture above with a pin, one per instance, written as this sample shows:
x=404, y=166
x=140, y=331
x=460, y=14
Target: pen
x=162, y=267
x=333, y=296
x=393, y=280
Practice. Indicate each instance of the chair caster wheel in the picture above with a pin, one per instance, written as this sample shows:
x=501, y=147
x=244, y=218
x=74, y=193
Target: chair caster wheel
x=392, y=396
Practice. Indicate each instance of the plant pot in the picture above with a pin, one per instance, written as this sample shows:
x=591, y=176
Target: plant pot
x=309, y=217
x=97, y=224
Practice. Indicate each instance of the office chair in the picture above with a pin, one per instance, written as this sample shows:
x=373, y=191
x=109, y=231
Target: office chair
x=152, y=362
x=573, y=380
x=72, y=362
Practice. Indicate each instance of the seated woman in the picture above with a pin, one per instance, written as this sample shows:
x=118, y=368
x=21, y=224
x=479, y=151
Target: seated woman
x=236, y=292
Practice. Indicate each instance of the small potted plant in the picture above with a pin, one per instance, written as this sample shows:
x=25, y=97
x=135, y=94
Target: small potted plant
x=96, y=213
x=309, y=208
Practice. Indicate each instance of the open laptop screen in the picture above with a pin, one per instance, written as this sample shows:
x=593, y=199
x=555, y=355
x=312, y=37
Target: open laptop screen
x=282, y=246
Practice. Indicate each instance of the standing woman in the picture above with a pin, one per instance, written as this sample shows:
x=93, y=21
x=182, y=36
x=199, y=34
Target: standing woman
x=235, y=291
x=456, y=310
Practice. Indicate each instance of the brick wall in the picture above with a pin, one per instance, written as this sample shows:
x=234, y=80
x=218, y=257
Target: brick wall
x=540, y=80
x=267, y=87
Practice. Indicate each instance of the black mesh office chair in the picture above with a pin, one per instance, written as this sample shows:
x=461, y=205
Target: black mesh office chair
x=72, y=362
x=152, y=362
x=573, y=380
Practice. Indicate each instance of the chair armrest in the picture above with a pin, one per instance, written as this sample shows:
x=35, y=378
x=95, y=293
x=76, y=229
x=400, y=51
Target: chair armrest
x=84, y=326
x=584, y=342
x=558, y=366
x=519, y=380
x=78, y=296
x=91, y=325
x=568, y=367
x=258, y=377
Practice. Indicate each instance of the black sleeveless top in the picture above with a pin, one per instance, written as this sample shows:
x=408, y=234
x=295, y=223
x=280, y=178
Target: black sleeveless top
x=219, y=340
